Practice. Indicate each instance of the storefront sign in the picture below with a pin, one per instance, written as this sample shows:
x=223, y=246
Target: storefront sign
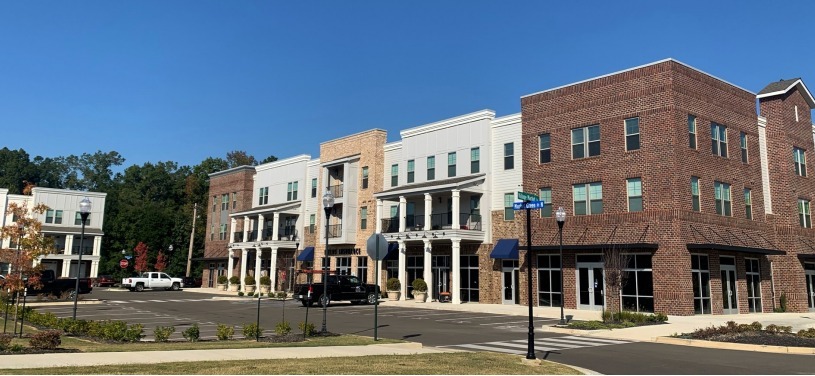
x=344, y=251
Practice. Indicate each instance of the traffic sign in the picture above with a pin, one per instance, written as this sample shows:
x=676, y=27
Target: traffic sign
x=528, y=205
x=123, y=263
x=377, y=246
x=524, y=196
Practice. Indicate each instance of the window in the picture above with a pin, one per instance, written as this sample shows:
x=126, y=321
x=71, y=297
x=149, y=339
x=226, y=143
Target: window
x=212, y=232
x=222, y=232
x=234, y=200
x=748, y=204
x=509, y=212
x=545, y=195
x=743, y=142
x=692, y=132
x=632, y=133
x=694, y=193
x=394, y=175
x=804, y=217
x=58, y=217
x=634, y=187
x=363, y=218
x=544, y=145
x=451, y=164
x=314, y=187
x=365, y=177
x=214, y=203
x=509, y=156
x=718, y=136
x=796, y=114
x=78, y=219
x=722, y=196
x=549, y=288
x=53, y=216
x=431, y=168
x=800, y=158
x=311, y=219
x=753, y=284
x=588, y=198
x=475, y=160
x=638, y=291
x=411, y=165
x=701, y=283
x=225, y=201
x=264, y=196
x=586, y=142
x=343, y=265
x=362, y=268
x=291, y=191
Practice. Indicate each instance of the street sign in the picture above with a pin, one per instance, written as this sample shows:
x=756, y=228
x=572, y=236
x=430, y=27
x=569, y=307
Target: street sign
x=523, y=196
x=377, y=241
x=528, y=205
x=123, y=263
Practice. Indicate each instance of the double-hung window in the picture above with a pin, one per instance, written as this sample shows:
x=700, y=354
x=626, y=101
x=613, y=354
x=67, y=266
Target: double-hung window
x=475, y=160
x=509, y=211
x=632, y=134
x=634, y=188
x=545, y=195
x=263, y=196
x=748, y=203
x=545, y=147
x=214, y=203
x=588, y=198
x=800, y=159
x=411, y=174
x=311, y=223
x=718, y=139
x=78, y=219
x=692, y=132
x=291, y=191
x=431, y=168
x=586, y=142
x=509, y=156
x=694, y=193
x=313, y=187
x=451, y=164
x=365, y=177
x=225, y=201
x=722, y=197
x=58, y=217
x=743, y=142
x=234, y=200
x=394, y=175
x=363, y=218
x=804, y=217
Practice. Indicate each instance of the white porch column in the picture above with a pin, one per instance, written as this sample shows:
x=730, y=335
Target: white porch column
x=456, y=291
x=94, y=269
x=66, y=268
x=244, y=256
x=428, y=212
x=273, y=267
x=276, y=227
x=245, y=230
x=258, y=255
x=402, y=213
x=231, y=263
x=456, y=209
x=261, y=224
x=233, y=227
x=402, y=270
x=428, y=267
x=379, y=216
x=97, y=246
x=69, y=244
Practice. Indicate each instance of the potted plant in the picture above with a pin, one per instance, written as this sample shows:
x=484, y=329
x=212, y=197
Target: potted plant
x=394, y=288
x=234, y=283
x=249, y=281
x=265, y=284
x=419, y=290
x=222, y=280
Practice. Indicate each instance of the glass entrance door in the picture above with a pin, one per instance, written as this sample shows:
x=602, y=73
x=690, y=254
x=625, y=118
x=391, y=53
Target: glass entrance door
x=509, y=286
x=729, y=298
x=590, y=286
x=441, y=275
x=809, y=270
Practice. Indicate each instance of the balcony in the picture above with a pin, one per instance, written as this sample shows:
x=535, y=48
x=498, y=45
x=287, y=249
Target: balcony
x=287, y=233
x=237, y=237
x=335, y=231
x=467, y=221
x=86, y=250
x=336, y=190
x=390, y=225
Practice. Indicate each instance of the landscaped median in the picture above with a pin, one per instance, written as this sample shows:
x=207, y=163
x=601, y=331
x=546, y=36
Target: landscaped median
x=748, y=337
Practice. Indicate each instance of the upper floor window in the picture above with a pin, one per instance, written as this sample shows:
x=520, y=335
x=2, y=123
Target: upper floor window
x=722, y=197
x=718, y=136
x=545, y=195
x=509, y=156
x=692, y=132
x=451, y=164
x=694, y=193
x=214, y=203
x=634, y=188
x=78, y=219
x=225, y=201
x=475, y=160
x=313, y=187
x=632, y=133
x=365, y=177
x=748, y=203
x=431, y=168
x=291, y=191
x=411, y=174
x=234, y=200
x=53, y=216
x=586, y=142
x=311, y=220
x=222, y=232
x=394, y=175
x=212, y=232
x=804, y=217
x=509, y=211
x=263, y=196
x=800, y=158
x=544, y=145
x=363, y=218
x=588, y=198
x=743, y=143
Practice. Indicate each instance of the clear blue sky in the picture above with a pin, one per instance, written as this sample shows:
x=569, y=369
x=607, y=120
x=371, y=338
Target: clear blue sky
x=185, y=80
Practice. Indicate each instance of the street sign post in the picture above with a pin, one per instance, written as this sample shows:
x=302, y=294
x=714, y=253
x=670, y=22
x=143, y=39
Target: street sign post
x=123, y=263
x=524, y=196
x=528, y=205
x=377, y=247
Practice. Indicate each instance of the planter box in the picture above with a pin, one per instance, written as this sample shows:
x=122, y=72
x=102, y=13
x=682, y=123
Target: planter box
x=234, y=288
x=221, y=287
x=420, y=297
x=394, y=295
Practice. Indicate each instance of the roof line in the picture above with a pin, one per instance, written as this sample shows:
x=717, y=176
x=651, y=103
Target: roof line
x=808, y=98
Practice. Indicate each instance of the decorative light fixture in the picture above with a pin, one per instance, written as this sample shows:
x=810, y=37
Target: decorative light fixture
x=84, y=212
x=560, y=217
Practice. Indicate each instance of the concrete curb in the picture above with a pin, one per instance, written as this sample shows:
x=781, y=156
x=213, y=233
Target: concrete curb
x=63, y=303
x=736, y=346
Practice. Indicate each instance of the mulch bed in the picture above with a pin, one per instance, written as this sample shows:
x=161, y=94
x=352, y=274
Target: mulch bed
x=764, y=338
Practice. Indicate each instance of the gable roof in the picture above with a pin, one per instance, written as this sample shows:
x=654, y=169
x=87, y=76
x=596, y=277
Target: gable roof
x=784, y=86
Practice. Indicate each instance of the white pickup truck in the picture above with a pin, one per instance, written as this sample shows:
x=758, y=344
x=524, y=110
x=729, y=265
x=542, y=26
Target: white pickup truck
x=152, y=280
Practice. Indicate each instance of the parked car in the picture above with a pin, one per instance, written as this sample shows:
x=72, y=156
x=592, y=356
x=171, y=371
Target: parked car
x=340, y=287
x=152, y=280
x=59, y=287
x=193, y=281
x=104, y=281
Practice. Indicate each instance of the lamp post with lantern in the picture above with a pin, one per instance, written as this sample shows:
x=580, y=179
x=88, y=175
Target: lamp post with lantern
x=328, y=205
x=560, y=216
x=84, y=212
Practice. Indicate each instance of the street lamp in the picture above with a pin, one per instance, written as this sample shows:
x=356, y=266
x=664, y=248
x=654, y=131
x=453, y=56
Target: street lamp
x=560, y=216
x=328, y=204
x=84, y=211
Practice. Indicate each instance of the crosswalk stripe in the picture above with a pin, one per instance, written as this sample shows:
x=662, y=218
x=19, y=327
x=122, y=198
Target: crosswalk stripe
x=593, y=339
x=523, y=346
x=541, y=344
x=573, y=342
x=157, y=301
x=492, y=348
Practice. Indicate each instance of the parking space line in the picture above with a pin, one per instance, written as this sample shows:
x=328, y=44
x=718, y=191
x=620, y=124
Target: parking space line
x=501, y=323
x=468, y=318
x=593, y=339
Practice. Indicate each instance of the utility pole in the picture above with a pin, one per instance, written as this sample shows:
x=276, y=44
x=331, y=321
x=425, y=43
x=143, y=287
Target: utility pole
x=192, y=239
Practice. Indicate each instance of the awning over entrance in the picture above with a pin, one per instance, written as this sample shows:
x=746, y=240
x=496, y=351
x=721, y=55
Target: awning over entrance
x=733, y=248
x=393, y=251
x=306, y=255
x=505, y=249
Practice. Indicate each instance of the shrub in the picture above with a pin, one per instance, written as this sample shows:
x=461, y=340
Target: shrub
x=225, y=332
x=782, y=301
x=134, y=333
x=249, y=280
x=281, y=295
x=282, y=328
x=252, y=330
x=307, y=329
x=419, y=285
x=240, y=293
x=5, y=341
x=234, y=280
x=633, y=317
x=15, y=348
x=270, y=294
x=807, y=333
x=774, y=329
x=192, y=334
x=46, y=340
x=265, y=281
x=163, y=333
x=256, y=295
x=222, y=280
x=394, y=284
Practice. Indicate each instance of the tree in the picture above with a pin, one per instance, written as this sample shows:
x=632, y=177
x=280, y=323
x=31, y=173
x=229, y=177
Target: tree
x=15, y=168
x=161, y=262
x=25, y=232
x=140, y=265
x=615, y=263
x=240, y=158
x=268, y=159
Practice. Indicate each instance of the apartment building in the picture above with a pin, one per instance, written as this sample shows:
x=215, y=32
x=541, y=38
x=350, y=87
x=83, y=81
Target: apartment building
x=62, y=223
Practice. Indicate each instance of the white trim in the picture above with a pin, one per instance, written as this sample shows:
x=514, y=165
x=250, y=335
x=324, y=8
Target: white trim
x=283, y=162
x=506, y=120
x=452, y=122
x=339, y=161
x=396, y=145
x=355, y=134
x=810, y=100
x=634, y=68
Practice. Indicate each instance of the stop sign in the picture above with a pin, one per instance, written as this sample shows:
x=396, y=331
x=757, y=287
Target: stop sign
x=123, y=263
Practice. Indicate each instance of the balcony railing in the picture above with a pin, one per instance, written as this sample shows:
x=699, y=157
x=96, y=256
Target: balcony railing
x=86, y=250
x=267, y=234
x=437, y=222
x=336, y=190
x=390, y=225
x=287, y=233
x=237, y=237
x=334, y=231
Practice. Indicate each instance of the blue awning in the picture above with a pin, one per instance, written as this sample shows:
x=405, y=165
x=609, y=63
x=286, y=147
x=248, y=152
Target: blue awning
x=306, y=255
x=505, y=249
x=393, y=251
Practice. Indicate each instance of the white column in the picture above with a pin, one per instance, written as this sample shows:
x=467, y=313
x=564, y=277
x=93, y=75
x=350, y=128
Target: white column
x=428, y=211
x=66, y=268
x=456, y=209
x=97, y=245
x=273, y=267
x=94, y=269
x=402, y=213
x=402, y=270
x=258, y=255
x=379, y=216
x=276, y=226
x=244, y=256
x=231, y=263
x=69, y=244
x=428, y=267
x=261, y=224
x=232, y=228
x=456, y=291
x=245, y=230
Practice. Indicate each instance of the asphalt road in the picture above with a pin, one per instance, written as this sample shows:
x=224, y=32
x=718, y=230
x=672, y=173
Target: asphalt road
x=449, y=329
